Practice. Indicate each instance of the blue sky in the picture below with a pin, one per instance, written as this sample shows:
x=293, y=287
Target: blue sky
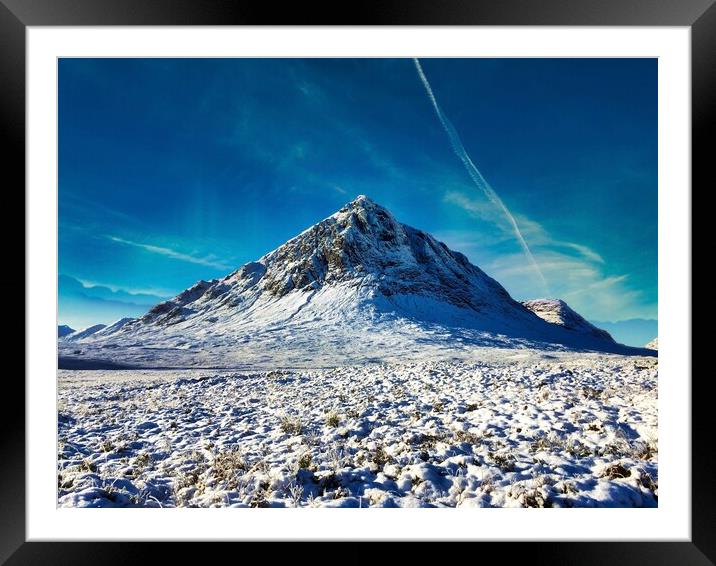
x=174, y=170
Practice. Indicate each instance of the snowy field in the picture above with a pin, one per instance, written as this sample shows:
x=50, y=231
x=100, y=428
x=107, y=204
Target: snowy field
x=565, y=430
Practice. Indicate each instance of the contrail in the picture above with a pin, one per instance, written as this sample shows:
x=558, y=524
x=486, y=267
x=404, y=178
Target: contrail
x=475, y=174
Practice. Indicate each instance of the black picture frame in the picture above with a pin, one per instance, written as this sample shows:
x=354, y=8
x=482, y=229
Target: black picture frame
x=16, y=15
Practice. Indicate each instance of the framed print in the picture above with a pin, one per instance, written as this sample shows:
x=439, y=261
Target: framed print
x=424, y=275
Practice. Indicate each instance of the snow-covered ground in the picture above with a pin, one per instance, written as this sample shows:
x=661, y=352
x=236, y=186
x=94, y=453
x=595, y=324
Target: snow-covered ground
x=416, y=380
x=519, y=428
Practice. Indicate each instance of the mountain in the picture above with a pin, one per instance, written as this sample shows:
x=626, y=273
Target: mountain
x=359, y=258
x=84, y=333
x=64, y=330
x=654, y=344
x=357, y=286
x=556, y=311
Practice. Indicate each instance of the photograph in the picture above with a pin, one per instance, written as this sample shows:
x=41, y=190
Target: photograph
x=308, y=282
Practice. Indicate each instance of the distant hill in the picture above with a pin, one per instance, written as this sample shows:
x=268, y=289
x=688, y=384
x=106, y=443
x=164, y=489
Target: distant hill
x=78, y=300
x=64, y=330
x=84, y=333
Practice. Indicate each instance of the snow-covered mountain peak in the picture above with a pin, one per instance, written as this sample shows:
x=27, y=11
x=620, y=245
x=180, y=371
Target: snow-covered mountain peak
x=556, y=311
x=366, y=216
x=363, y=244
x=362, y=255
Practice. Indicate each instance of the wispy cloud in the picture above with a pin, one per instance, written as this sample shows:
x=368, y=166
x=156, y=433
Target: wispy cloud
x=587, y=252
x=599, y=285
x=327, y=159
x=158, y=292
x=208, y=261
x=539, y=236
x=476, y=208
x=86, y=211
x=533, y=230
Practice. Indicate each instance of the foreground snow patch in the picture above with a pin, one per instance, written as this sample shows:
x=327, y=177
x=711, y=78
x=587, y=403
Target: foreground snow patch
x=538, y=433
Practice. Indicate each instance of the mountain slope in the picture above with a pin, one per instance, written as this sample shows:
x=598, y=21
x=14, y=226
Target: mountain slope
x=358, y=285
x=112, y=328
x=654, y=344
